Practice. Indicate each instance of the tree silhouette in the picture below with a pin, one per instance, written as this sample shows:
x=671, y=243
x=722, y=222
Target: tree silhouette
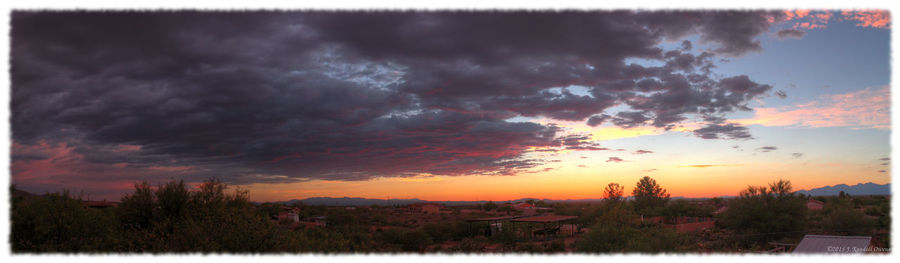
x=648, y=195
x=613, y=192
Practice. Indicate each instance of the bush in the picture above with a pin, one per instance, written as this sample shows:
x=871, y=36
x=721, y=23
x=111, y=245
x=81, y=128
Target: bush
x=848, y=221
x=766, y=213
x=58, y=222
x=406, y=240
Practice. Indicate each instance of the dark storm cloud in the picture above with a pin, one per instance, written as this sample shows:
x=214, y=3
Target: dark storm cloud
x=790, y=33
x=288, y=96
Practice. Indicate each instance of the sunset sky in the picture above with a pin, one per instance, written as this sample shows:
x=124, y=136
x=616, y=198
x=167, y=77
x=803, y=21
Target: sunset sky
x=449, y=106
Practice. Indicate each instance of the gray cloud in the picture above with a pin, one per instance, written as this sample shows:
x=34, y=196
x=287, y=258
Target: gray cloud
x=292, y=96
x=767, y=148
x=781, y=94
x=790, y=33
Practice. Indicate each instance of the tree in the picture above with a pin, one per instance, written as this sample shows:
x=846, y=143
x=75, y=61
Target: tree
x=615, y=229
x=613, y=192
x=648, y=195
x=766, y=213
x=489, y=206
x=58, y=222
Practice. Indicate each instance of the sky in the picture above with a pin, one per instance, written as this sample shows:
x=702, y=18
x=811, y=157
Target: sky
x=449, y=105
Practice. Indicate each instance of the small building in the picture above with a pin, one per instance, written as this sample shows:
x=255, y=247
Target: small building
x=290, y=209
x=293, y=217
x=523, y=205
x=813, y=204
x=820, y=244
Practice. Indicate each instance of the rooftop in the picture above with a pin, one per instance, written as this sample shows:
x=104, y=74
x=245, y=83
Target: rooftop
x=833, y=244
x=544, y=219
x=498, y=218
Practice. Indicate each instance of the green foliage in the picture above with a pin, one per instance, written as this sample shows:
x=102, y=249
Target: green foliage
x=58, y=222
x=841, y=217
x=649, y=196
x=685, y=208
x=208, y=219
x=616, y=214
x=556, y=246
x=848, y=221
x=507, y=235
x=606, y=238
x=766, y=213
x=472, y=244
x=406, y=240
x=270, y=209
x=440, y=232
x=170, y=218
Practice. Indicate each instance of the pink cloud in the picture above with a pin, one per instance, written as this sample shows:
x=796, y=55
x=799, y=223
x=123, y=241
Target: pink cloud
x=49, y=167
x=808, y=19
x=813, y=19
x=864, y=109
x=795, y=14
x=869, y=18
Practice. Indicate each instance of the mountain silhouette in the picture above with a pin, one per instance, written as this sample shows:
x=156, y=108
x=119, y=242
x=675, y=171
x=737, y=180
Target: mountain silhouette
x=858, y=189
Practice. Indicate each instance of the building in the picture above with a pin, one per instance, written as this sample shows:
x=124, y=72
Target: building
x=813, y=204
x=293, y=217
x=819, y=244
x=521, y=206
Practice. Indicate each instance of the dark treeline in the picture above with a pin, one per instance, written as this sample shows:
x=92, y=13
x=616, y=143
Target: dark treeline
x=174, y=217
x=167, y=218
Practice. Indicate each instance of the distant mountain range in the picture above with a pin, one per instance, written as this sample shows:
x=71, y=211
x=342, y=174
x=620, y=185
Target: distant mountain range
x=348, y=201
x=356, y=201
x=858, y=189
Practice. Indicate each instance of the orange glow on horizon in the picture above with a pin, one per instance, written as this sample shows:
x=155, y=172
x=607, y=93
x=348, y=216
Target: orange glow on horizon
x=571, y=183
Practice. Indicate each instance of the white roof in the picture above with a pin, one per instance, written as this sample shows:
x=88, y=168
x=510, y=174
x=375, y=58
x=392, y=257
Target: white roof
x=833, y=244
